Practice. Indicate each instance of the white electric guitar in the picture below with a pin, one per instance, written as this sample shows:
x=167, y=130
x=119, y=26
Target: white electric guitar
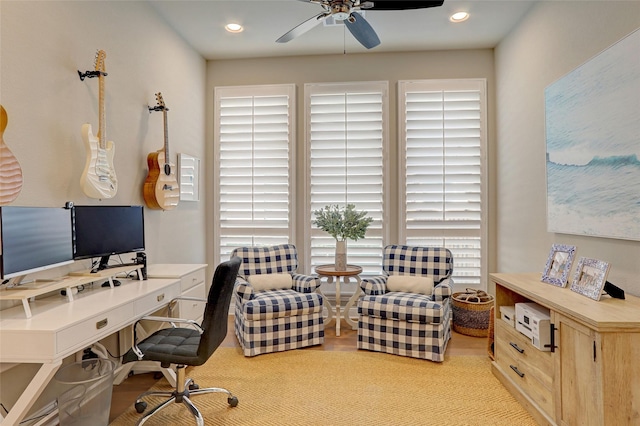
x=99, y=177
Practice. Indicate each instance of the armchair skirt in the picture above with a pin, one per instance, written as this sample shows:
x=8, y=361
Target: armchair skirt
x=410, y=329
x=279, y=320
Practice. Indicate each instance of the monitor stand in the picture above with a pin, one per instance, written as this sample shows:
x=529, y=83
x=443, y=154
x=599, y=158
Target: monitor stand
x=104, y=264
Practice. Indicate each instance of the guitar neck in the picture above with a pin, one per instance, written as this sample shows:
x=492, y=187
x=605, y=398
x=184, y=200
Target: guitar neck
x=166, y=136
x=102, y=123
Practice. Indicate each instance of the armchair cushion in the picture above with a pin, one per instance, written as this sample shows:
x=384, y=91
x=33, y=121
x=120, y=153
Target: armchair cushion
x=402, y=306
x=281, y=303
x=410, y=284
x=261, y=282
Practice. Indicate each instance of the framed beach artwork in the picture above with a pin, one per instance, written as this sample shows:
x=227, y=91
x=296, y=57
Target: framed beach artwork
x=592, y=138
x=590, y=277
x=558, y=266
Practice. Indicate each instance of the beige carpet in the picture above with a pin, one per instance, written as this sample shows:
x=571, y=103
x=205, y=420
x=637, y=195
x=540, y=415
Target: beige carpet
x=312, y=387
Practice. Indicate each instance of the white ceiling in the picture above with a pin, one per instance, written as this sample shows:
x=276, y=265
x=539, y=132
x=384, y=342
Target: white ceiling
x=201, y=24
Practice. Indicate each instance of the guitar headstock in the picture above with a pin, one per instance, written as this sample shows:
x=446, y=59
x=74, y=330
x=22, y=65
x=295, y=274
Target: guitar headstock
x=160, y=101
x=161, y=106
x=100, y=56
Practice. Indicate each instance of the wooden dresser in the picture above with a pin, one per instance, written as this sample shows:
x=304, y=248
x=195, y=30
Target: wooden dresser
x=591, y=376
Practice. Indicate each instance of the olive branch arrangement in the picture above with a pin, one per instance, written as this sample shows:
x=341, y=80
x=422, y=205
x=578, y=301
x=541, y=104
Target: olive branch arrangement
x=342, y=223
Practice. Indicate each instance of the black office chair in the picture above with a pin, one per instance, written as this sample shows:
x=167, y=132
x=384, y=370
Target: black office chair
x=187, y=346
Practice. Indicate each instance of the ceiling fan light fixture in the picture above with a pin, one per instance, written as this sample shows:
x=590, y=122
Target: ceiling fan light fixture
x=234, y=28
x=341, y=11
x=459, y=17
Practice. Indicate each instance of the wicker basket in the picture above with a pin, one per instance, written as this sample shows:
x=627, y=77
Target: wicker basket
x=471, y=312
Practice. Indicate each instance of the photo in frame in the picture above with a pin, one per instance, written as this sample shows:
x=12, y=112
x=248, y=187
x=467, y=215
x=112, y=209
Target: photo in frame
x=558, y=266
x=590, y=277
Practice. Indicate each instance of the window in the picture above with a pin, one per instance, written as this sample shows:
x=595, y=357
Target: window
x=346, y=132
x=442, y=127
x=254, y=174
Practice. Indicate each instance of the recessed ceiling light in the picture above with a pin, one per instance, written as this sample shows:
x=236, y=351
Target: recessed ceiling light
x=234, y=28
x=459, y=17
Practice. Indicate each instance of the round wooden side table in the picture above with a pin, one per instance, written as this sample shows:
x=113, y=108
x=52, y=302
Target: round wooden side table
x=329, y=272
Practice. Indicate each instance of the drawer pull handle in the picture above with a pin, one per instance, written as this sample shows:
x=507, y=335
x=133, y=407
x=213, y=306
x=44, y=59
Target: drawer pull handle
x=516, y=347
x=101, y=324
x=514, y=368
x=160, y=297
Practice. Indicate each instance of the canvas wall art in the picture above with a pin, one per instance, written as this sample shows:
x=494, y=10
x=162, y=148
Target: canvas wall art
x=593, y=145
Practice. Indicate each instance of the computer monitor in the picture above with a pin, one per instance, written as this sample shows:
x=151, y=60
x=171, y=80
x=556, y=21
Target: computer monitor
x=102, y=231
x=34, y=239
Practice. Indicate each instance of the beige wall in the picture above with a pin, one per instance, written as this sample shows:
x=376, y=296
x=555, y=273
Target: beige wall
x=553, y=39
x=389, y=67
x=43, y=44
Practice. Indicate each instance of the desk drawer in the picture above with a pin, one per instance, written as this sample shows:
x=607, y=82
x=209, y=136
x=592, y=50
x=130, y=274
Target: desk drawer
x=86, y=332
x=189, y=309
x=156, y=300
x=192, y=279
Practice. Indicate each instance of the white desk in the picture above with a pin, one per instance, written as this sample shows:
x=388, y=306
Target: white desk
x=58, y=328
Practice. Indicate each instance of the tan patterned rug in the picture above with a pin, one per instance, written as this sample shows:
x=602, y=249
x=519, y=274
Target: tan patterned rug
x=312, y=387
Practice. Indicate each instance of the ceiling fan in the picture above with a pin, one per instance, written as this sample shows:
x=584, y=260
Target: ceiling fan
x=343, y=10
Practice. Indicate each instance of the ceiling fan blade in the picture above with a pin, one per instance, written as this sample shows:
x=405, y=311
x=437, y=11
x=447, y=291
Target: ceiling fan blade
x=402, y=5
x=303, y=27
x=362, y=30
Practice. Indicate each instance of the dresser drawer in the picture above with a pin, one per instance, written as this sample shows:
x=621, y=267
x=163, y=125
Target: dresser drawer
x=156, y=300
x=521, y=374
x=190, y=309
x=87, y=331
x=193, y=279
x=509, y=341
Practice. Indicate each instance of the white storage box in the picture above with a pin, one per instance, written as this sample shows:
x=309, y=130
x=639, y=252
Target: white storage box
x=508, y=314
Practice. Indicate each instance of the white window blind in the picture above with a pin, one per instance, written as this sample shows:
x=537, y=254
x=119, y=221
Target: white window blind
x=347, y=136
x=254, y=140
x=443, y=140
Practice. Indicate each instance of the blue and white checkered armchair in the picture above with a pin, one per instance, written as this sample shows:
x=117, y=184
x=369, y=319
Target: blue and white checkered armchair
x=408, y=323
x=276, y=319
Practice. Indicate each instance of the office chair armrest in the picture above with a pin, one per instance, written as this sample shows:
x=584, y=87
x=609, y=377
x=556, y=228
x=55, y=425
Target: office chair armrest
x=442, y=290
x=374, y=286
x=175, y=300
x=171, y=320
x=305, y=283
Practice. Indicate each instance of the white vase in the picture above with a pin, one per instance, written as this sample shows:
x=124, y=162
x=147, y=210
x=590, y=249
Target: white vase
x=341, y=256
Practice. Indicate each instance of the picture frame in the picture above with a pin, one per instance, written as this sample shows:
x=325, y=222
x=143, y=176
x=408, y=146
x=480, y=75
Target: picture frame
x=558, y=266
x=590, y=277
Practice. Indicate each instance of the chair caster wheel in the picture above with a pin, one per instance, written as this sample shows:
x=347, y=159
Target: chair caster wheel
x=140, y=407
x=194, y=386
x=233, y=401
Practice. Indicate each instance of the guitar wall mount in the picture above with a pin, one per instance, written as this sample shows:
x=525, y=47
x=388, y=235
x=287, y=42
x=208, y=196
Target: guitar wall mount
x=157, y=108
x=91, y=74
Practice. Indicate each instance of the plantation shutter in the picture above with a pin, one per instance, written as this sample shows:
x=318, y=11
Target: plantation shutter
x=347, y=134
x=443, y=138
x=254, y=139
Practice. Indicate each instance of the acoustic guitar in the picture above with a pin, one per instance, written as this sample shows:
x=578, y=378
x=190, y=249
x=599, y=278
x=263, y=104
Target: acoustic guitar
x=99, y=176
x=160, y=190
x=10, y=171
